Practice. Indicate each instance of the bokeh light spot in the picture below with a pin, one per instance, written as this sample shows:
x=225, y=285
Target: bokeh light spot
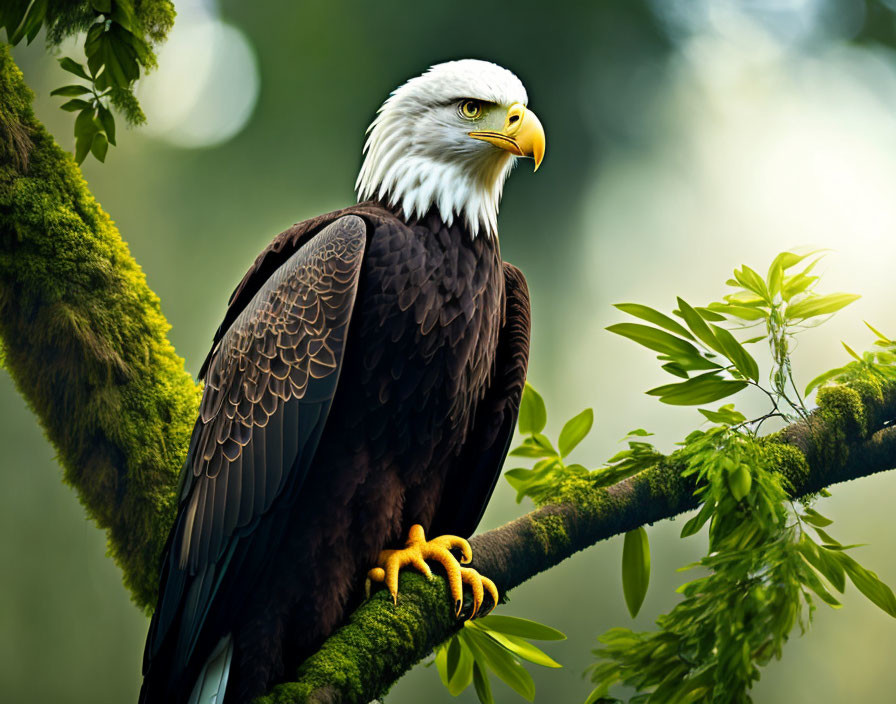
x=206, y=86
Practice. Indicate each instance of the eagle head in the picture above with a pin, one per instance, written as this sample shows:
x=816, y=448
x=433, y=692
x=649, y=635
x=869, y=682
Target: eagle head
x=448, y=139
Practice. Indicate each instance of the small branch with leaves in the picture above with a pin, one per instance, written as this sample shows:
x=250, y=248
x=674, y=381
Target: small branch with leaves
x=769, y=556
x=118, y=47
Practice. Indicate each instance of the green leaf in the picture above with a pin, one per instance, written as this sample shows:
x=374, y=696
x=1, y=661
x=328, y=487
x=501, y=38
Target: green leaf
x=725, y=415
x=481, y=683
x=780, y=264
x=453, y=657
x=654, y=339
x=868, y=583
x=828, y=540
x=655, y=317
x=463, y=673
x=500, y=661
x=822, y=379
x=74, y=105
x=521, y=648
x=880, y=335
x=736, y=311
x=597, y=694
x=635, y=569
x=708, y=314
x=851, y=351
x=734, y=351
x=12, y=13
x=774, y=278
x=82, y=147
x=751, y=281
x=74, y=67
x=108, y=123
x=822, y=561
x=442, y=663
x=575, y=431
x=536, y=445
x=31, y=23
x=696, y=323
x=693, y=526
x=740, y=482
x=123, y=14
x=814, y=583
x=99, y=147
x=72, y=90
x=676, y=370
x=820, y=305
x=84, y=125
x=638, y=433
x=691, y=363
x=520, y=627
x=796, y=285
x=705, y=388
x=533, y=415
x=111, y=49
x=816, y=519
x=102, y=6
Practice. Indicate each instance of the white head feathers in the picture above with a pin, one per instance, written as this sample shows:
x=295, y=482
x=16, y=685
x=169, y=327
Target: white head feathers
x=419, y=155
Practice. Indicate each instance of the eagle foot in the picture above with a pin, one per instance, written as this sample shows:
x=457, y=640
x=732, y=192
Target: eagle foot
x=415, y=553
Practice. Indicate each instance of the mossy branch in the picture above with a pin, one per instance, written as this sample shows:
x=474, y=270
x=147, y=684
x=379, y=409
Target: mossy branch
x=847, y=437
x=85, y=341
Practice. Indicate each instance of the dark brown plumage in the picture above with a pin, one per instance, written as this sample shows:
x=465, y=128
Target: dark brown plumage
x=366, y=377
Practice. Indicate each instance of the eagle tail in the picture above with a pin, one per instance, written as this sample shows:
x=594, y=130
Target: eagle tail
x=212, y=681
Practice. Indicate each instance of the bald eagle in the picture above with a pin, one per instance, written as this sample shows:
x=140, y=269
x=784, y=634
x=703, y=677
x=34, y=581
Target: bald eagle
x=362, y=387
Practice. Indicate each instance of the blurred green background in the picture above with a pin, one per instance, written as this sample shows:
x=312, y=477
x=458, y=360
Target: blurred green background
x=684, y=137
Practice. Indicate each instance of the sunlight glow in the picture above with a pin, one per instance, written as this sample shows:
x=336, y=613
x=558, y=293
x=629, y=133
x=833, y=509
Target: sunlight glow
x=207, y=83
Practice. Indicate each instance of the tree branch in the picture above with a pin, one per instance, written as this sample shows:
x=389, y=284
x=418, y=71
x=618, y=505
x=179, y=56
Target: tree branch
x=85, y=341
x=843, y=439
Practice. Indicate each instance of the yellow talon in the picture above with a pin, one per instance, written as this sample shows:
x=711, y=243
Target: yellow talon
x=415, y=553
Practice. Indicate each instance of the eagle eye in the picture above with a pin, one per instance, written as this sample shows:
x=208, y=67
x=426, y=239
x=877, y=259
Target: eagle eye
x=470, y=109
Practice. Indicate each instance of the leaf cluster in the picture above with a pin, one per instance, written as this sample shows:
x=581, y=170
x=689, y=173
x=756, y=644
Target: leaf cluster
x=551, y=467
x=703, y=350
x=494, y=644
x=879, y=361
x=117, y=47
x=766, y=564
x=768, y=561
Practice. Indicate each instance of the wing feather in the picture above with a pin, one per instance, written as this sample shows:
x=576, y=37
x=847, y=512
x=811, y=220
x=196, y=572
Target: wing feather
x=270, y=381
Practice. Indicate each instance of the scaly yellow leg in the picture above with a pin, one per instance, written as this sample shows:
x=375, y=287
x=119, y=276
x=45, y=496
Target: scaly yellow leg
x=415, y=553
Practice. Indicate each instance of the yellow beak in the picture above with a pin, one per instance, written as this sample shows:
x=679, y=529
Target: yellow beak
x=522, y=135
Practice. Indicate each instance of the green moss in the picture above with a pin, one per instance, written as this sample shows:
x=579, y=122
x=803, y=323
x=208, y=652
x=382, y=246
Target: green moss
x=843, y=407
x=405, y=630
x=86, y=343
x=788, y=461
x=66, y=17
x=550, y=530
x=577, y=491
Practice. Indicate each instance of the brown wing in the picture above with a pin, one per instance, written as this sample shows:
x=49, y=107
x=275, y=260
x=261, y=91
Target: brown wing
x=284, y=348
x=469, y=488
x=269, y=386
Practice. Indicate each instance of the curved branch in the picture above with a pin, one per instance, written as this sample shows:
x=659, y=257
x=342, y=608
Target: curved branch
x=843, y=439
